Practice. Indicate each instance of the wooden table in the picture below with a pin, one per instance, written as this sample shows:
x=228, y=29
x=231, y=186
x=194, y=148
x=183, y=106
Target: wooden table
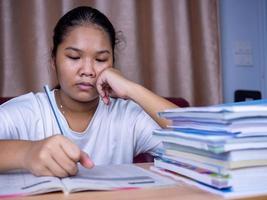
x=181, y=191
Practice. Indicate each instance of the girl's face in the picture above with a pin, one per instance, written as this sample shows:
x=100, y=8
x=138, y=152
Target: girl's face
x=84, y=53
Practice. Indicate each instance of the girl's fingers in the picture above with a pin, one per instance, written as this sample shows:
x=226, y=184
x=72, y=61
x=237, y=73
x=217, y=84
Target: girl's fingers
x=100, y=88
x=69, y=154
x=71, y=150
x=47, y=172
x=106, y=97
x=54, y=168
x=102, y=91
x=86, y=161
x=42, y=171
x=110, y=82
x=65, y=162
x=56, y=156
x=105, y=100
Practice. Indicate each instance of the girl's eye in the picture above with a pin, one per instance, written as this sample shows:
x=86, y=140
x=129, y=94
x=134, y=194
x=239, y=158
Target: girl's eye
x=74, y=57
x=101, y=60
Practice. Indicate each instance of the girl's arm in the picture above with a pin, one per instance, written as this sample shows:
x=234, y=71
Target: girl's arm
x=53, y=156
x=111, y=83
x=151, y=103
x=12, y=154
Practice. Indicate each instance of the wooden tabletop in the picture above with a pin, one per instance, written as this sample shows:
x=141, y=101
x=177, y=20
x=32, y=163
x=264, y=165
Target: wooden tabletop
x=180, y=191
x=135, y=194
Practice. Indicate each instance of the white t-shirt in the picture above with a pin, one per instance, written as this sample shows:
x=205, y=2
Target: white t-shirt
x=116, y=133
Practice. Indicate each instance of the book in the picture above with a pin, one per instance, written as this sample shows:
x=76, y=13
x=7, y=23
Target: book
x=236, y=155
x=223, y=111
x=207, y=163
x=223, y=147
x=237, y=179
x=213, y=143
x=244, y=192
x=250, y=120
x=256, y=105
x=214, y=168
x=217, y=162
x=108, y=177
x=241, y=128
x=198, y=174
x=227, y=160
x=194, y=134
x=172, y=115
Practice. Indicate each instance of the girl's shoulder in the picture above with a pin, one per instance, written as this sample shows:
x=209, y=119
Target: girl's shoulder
x=28, y=100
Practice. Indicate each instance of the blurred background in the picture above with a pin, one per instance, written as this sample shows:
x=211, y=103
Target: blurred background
x=200, y=50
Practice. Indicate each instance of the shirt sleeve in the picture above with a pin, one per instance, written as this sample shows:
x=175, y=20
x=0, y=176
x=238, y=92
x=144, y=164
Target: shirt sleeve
x=144, y=126
x=19, y=118
x=8, y=129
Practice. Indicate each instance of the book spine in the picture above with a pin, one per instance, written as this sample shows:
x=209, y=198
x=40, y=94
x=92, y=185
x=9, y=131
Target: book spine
x=217, y=182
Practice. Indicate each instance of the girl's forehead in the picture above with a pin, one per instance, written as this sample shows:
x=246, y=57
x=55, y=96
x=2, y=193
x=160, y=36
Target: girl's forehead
x=87, y=31
x=87, y=35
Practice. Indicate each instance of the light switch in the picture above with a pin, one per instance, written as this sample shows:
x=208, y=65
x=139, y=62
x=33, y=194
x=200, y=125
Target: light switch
x=243, y=54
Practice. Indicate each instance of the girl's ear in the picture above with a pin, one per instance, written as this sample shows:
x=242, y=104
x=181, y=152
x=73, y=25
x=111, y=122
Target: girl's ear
x=53, y=63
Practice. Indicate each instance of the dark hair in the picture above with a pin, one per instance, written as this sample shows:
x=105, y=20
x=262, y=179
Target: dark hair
x=82, y=15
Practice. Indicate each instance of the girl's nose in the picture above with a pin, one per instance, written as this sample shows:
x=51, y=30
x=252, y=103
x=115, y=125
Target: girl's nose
x=88, y=70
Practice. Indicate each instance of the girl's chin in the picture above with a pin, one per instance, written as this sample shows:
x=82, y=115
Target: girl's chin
x=88, y=98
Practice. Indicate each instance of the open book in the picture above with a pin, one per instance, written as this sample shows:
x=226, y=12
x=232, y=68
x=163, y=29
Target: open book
x=112, y=177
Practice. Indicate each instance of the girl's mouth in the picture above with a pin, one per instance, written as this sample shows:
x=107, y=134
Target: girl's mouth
x=85, y=86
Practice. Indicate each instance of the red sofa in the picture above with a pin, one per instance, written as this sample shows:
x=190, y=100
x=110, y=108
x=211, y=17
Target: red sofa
x=178, y=101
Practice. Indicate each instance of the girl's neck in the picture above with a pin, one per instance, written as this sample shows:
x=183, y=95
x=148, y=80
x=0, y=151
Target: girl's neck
x=68, y=105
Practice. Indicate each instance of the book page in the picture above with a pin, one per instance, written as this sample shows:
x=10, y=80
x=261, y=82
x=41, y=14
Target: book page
x=19, y=182
x=111, y=177
x=245, y=106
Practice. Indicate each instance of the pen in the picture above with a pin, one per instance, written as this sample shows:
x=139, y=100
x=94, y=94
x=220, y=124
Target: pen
x=141, y=182
x=55, y=111
x=35, y=184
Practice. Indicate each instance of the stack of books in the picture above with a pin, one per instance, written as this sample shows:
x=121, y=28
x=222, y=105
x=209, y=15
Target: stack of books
x=222, y=149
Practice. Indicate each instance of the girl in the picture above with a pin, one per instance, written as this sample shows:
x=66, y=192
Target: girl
x=108, y=117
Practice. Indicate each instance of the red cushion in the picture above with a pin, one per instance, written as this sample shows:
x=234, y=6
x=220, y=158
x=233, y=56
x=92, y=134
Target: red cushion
x=4, y=99
x=181, y=102
x=178, y=101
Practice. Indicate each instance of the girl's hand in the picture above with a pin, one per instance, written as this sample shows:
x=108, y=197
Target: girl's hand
x=111, y=83
x=55, y=156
